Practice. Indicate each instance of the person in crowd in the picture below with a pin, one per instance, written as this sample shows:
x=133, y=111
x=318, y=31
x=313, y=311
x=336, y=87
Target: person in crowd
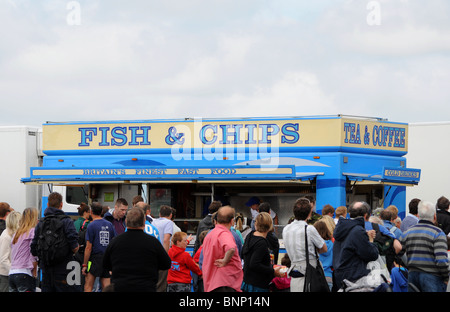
x=328, y=210
x=84, y=216
x=388, y=222
x=411, y=219
x=12, y=224
x=341, y=212
x=98, y=235
x=314, y=215
x=135, y=257
x=206, y=223
x=353, y=246
x=136, y=199
x=55, y=273
x=283, y=283
x=425, y=245
x=5, y=209
x=150, y=229
x=326, y=258
x=179, y=277
x=117, y=215
x=272, y=239
x=222, y=268
x=253, y=204
x=164, y=224
x=294, y=242
x=258, y=266
x=197, y=281
x=23, y=271
x=442, y=214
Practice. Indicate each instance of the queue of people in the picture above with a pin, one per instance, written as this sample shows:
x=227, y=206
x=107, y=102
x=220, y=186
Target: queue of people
x=126, y=249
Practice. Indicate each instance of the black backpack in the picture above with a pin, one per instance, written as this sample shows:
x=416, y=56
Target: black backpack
x=52, y=245
x=385, y=245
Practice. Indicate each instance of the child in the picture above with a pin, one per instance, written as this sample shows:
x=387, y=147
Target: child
x=179, y=276
x=197, y=280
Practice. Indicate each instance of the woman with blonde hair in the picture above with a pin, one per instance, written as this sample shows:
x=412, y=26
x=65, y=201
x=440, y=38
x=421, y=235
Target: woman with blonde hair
x=23, y=264
x=12, y=223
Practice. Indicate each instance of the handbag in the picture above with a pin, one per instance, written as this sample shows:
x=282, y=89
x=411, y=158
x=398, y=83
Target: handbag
x=314, y=276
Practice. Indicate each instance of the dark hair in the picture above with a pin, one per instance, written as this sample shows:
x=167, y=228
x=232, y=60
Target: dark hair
x=121, y=201
x=54, y=200
x=264, y=207
x=302, y=208
x=386, y=215
x=136, y=199
x=413, y=206
x=97, y=208
x=4, y=209
x=442, y=203
x=214, y=206
x=83, y=208
x=165, y=211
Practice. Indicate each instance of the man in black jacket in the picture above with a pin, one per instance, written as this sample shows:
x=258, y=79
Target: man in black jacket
x=442, y=214
x=353, y=246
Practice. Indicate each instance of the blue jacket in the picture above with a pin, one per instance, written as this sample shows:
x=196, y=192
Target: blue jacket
x=351, y=250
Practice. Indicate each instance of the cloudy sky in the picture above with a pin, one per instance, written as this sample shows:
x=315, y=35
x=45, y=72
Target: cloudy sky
x=151, y=59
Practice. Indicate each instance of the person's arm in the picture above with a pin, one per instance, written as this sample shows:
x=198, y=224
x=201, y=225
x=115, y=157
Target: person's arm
x=166, y=242
x=224, y=261
x=87, y=255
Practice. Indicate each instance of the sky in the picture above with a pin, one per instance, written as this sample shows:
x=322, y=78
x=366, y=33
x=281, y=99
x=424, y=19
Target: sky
x=91, y=60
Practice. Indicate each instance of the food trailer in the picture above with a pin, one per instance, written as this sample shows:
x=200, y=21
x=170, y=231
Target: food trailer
x=187, y=163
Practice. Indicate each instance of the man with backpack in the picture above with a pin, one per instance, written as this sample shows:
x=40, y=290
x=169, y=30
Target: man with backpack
x=54, y=243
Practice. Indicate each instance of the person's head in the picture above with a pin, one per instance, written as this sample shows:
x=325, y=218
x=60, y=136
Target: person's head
x=253, y=203
x=27, y=222
x=165, y=211
x=5, y=208
x=302, y=208
x=358, y=209
x=12, y=221
x=225, y=215
x=136, y=199
x=120, y=208
x=55, y=200
x=341, y=211
x=83, y=210
x=201, y=237
x=264, y=207
x=323, y=230
x=443, y=203
x=413, y=206
x=214, y=206
x=312, y=200
x=135, y=218
x=386, y=215
x=97, y=209
x=394, y=211
x=179, y=239
x=426, y=211
x=327, y=210
x=263, y=222
x=328, y=220
x=144, y=206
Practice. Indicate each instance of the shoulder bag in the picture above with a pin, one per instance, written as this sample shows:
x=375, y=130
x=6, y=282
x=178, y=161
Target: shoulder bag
x=314, y=276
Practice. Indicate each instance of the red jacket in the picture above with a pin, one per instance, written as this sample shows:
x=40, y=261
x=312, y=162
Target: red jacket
x=182, y=265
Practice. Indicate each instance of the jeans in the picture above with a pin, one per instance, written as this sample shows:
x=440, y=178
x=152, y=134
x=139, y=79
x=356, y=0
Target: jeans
x=22, y=283
x=426, y=282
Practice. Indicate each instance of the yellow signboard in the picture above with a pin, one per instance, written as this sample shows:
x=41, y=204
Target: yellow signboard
x=240, y=133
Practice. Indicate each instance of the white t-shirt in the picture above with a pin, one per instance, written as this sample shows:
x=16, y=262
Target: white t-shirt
x=164, y=226
x=294, y=241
